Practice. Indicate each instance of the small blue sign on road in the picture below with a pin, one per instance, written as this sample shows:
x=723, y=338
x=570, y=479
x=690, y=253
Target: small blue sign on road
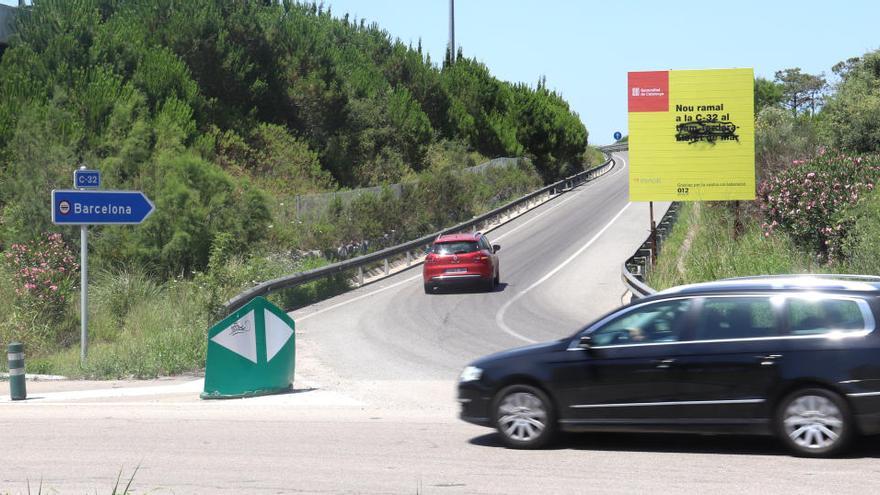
x=617, y=136
x=86, y=179
x=100, y=207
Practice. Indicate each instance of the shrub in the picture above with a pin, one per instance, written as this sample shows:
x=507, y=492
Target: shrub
x=810, y=199
x=781, y=138
x=852, y=114
x=44, y=274
x=195, y=201
x=117, y=291
x=861, y=248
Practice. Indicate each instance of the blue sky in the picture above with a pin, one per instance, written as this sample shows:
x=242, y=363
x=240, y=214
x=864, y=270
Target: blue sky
x=585, y=48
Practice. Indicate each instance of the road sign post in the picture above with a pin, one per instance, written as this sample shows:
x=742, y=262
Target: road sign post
x=250, y=352
x=617, y=136
x=83, y=178
x=84, y=292
x=89, y=207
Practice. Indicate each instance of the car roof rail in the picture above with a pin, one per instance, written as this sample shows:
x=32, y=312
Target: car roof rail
x=823, y=281
x=827, y=276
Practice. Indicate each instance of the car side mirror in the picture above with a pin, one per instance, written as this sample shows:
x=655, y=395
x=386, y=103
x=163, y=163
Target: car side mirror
x=585, y=342
x=496, y=248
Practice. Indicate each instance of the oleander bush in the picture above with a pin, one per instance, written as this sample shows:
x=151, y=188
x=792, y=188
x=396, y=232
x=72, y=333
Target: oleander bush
x=811, y=200
x=44, y=274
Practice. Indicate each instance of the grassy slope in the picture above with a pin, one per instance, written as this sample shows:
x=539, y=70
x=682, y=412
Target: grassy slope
x=715, y=254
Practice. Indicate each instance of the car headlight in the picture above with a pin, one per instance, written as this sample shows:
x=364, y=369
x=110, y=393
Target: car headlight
x=470, y=374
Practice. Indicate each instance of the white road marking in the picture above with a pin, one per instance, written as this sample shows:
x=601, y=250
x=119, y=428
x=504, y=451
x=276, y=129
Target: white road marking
x=557, y=205
x=404, y=281
x=186, y=387
x=305, y=395
x=499, y=316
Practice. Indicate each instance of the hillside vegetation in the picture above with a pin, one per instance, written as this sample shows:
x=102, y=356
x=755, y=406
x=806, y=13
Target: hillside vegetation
x=222, y=112
x=817, y=206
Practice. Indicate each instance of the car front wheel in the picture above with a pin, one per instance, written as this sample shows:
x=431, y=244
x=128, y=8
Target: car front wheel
x=815, y=422
x=524, y=417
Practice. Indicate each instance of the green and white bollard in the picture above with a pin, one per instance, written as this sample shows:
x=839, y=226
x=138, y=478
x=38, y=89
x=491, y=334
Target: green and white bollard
x=15, y=354
x=251, y=352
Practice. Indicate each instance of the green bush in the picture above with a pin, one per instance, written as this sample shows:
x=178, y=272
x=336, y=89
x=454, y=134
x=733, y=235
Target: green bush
x=781, y=139
x=861, y=249
x=115, y=292
x=195, y=202
x=164, y=334
x=40, y=334
x=810, y=200
x=45, y=275
x=851, y=117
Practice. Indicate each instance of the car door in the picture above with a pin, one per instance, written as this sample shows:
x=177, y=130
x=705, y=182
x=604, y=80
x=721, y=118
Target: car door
x=487, y=246
x=625, y=374
x=731, y=361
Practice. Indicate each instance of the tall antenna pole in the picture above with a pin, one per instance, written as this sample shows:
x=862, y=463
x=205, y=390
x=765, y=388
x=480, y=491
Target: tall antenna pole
x=452, y=30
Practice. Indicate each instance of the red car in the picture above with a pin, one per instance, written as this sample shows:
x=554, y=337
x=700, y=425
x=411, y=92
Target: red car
x=461, y=258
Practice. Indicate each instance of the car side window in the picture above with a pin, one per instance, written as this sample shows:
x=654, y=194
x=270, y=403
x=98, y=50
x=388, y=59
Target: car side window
x=484, y=244
x=736, y=318
x=808, y=316
x=653, y=323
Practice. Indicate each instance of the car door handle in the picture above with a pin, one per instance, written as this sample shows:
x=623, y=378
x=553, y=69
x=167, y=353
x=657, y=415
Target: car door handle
x=768, y=359
x=663, y=363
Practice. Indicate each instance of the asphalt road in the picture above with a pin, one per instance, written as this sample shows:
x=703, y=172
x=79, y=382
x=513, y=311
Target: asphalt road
x=560, y=268
x=374, y=407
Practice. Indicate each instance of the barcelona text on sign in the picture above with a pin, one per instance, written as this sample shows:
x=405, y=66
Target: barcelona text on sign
x=102, y=209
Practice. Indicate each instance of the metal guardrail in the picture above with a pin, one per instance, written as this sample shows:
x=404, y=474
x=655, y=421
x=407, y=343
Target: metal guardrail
x=636, y=268
x=406, y=249
x=615, y=147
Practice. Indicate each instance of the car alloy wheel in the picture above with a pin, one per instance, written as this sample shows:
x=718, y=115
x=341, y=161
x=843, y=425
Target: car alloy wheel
x=523, y=417
x=814, y=422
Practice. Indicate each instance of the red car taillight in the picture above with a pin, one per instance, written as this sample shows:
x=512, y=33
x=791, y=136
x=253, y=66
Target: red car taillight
x=431, y=258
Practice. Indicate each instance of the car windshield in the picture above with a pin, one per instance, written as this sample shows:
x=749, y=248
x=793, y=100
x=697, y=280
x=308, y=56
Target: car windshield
x=457, y=247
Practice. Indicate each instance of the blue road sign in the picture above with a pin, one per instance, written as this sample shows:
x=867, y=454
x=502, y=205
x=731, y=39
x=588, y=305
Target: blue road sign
x=86, y=179
x=100, y=207
x=617, y=136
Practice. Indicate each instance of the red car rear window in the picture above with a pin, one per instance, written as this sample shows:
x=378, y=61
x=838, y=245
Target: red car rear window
x=458, y=247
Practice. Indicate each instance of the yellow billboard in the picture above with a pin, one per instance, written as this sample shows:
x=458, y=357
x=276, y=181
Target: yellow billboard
x=691, y=135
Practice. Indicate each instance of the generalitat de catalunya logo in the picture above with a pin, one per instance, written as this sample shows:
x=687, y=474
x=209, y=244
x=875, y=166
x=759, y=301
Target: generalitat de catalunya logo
x=648, y=91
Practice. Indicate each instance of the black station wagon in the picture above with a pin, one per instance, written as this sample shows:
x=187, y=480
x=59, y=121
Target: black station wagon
x=796, y=356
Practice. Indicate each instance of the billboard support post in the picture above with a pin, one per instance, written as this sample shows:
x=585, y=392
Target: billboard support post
x=653, y=234
x=737, y=221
